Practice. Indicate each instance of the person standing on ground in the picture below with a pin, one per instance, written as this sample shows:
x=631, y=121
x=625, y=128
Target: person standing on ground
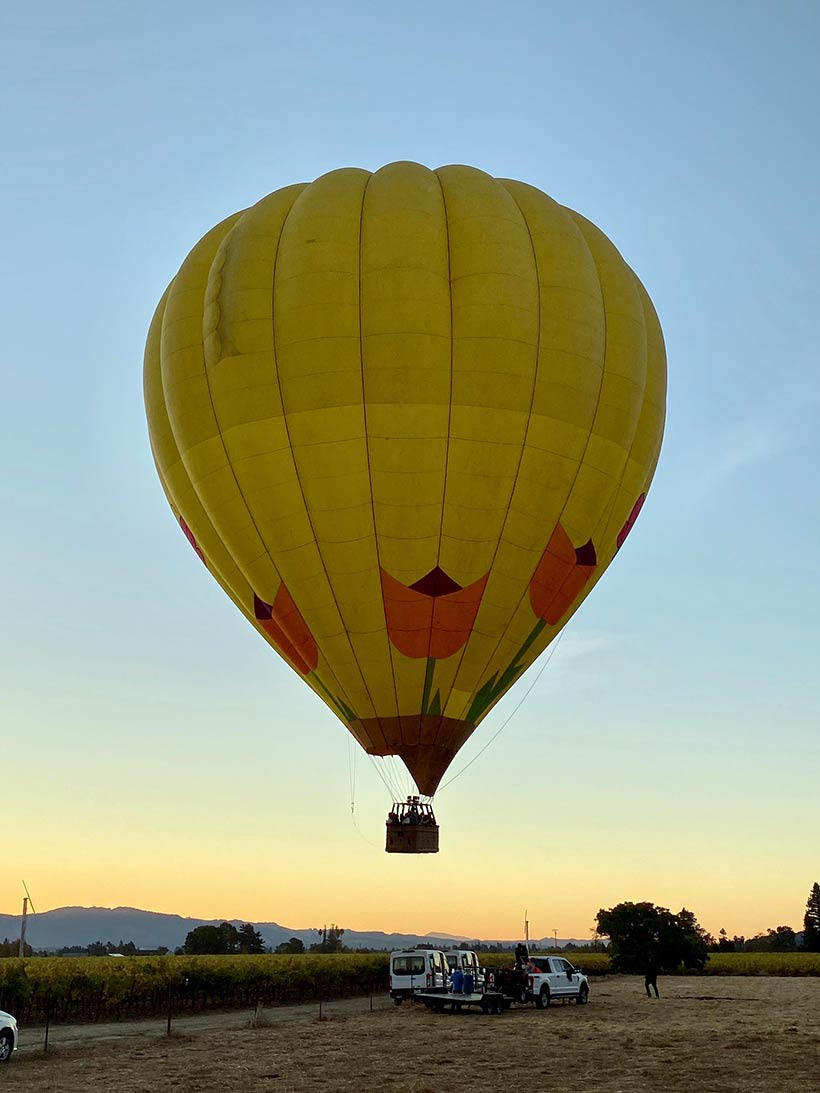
x=651, y=975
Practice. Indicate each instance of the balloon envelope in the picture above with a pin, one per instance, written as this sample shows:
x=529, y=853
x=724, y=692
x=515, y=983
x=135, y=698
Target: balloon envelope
x=406, y=419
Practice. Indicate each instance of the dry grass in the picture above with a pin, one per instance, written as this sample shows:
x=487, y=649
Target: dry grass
x=725, y=1035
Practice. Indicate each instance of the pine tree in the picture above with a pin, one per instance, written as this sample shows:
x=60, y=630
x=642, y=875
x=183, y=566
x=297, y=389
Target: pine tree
x=250, y=940
x=811, y=921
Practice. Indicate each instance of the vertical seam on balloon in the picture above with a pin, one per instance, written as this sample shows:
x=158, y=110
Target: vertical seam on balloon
x=643, y=296
x=228, y=460
x=296, y=467
x=449, y=431
x=219, y=427
x=370, y=469
x=170, y=496
x=222, y=580
x=603, y=374
x=603, y=522
x=524, y=441
x=236, y=478
x=523, y=596
x=216, y=531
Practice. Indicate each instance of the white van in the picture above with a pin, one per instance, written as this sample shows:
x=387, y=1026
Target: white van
x=413, y=970
x=467, y=960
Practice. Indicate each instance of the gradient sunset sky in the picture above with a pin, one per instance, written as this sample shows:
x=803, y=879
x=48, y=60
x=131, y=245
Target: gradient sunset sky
x=156, y=753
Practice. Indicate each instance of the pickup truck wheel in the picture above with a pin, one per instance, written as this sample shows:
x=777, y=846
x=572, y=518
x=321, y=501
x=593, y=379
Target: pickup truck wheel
x=398, y=1001
x=544, y=997
x=6, y=1045
x=583, y=996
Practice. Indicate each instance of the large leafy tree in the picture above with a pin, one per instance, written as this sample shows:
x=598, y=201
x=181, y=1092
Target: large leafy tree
x=212, y=940
x=642, y=935
x=224, y=939
x=780, y=940
x=294, y=945
x=811, y=920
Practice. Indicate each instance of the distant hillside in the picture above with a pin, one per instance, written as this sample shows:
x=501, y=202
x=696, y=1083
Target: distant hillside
x=66, y=926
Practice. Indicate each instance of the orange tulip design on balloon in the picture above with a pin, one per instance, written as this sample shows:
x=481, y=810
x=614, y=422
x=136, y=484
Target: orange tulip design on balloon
x=559, y=579
x=432, y=618
x=283, y=623
x=560, y=576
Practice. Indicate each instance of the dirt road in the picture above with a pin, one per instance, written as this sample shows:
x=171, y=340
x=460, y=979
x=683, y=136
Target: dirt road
x=33, y=1039
x=705, y=1035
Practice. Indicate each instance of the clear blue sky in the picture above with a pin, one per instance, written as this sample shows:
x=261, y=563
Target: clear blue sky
x=155, y=751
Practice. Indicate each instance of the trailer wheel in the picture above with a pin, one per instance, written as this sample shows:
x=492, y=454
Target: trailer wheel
x=544, y=997
x=398, y=1001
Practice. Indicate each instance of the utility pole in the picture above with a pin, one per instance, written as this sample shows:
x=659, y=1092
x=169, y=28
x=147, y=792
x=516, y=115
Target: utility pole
x=22, y=948
x=24, y=919
x=555, y=938
x=526, y=929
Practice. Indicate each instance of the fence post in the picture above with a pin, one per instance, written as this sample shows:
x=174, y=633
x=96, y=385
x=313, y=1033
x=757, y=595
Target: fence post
x=48, y=1020
x=170, y=1000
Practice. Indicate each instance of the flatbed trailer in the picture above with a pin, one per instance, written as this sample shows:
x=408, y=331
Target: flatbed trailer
x=490, y=1002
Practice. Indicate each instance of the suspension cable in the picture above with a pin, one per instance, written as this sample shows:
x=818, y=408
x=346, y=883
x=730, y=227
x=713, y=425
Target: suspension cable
x=506, y=722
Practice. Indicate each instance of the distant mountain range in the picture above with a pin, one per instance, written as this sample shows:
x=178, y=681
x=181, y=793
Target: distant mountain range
x=66, y=926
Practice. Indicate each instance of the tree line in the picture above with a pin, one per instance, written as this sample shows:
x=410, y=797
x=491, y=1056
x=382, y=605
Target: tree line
x=643, y=936
x=225, y=939
x=781, y=939
x=636, y=932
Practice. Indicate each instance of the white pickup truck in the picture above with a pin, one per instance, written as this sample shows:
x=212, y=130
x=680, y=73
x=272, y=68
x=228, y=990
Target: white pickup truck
x=552, y=977
x=542, y=979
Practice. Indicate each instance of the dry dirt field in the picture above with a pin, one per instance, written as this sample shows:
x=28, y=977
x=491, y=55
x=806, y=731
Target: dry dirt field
x=705, y=1035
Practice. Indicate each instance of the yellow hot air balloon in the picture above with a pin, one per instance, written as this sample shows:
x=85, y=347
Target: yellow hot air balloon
x=406, y=419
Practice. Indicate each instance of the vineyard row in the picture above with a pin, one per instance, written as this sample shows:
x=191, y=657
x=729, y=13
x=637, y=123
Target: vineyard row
x=65, y=989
